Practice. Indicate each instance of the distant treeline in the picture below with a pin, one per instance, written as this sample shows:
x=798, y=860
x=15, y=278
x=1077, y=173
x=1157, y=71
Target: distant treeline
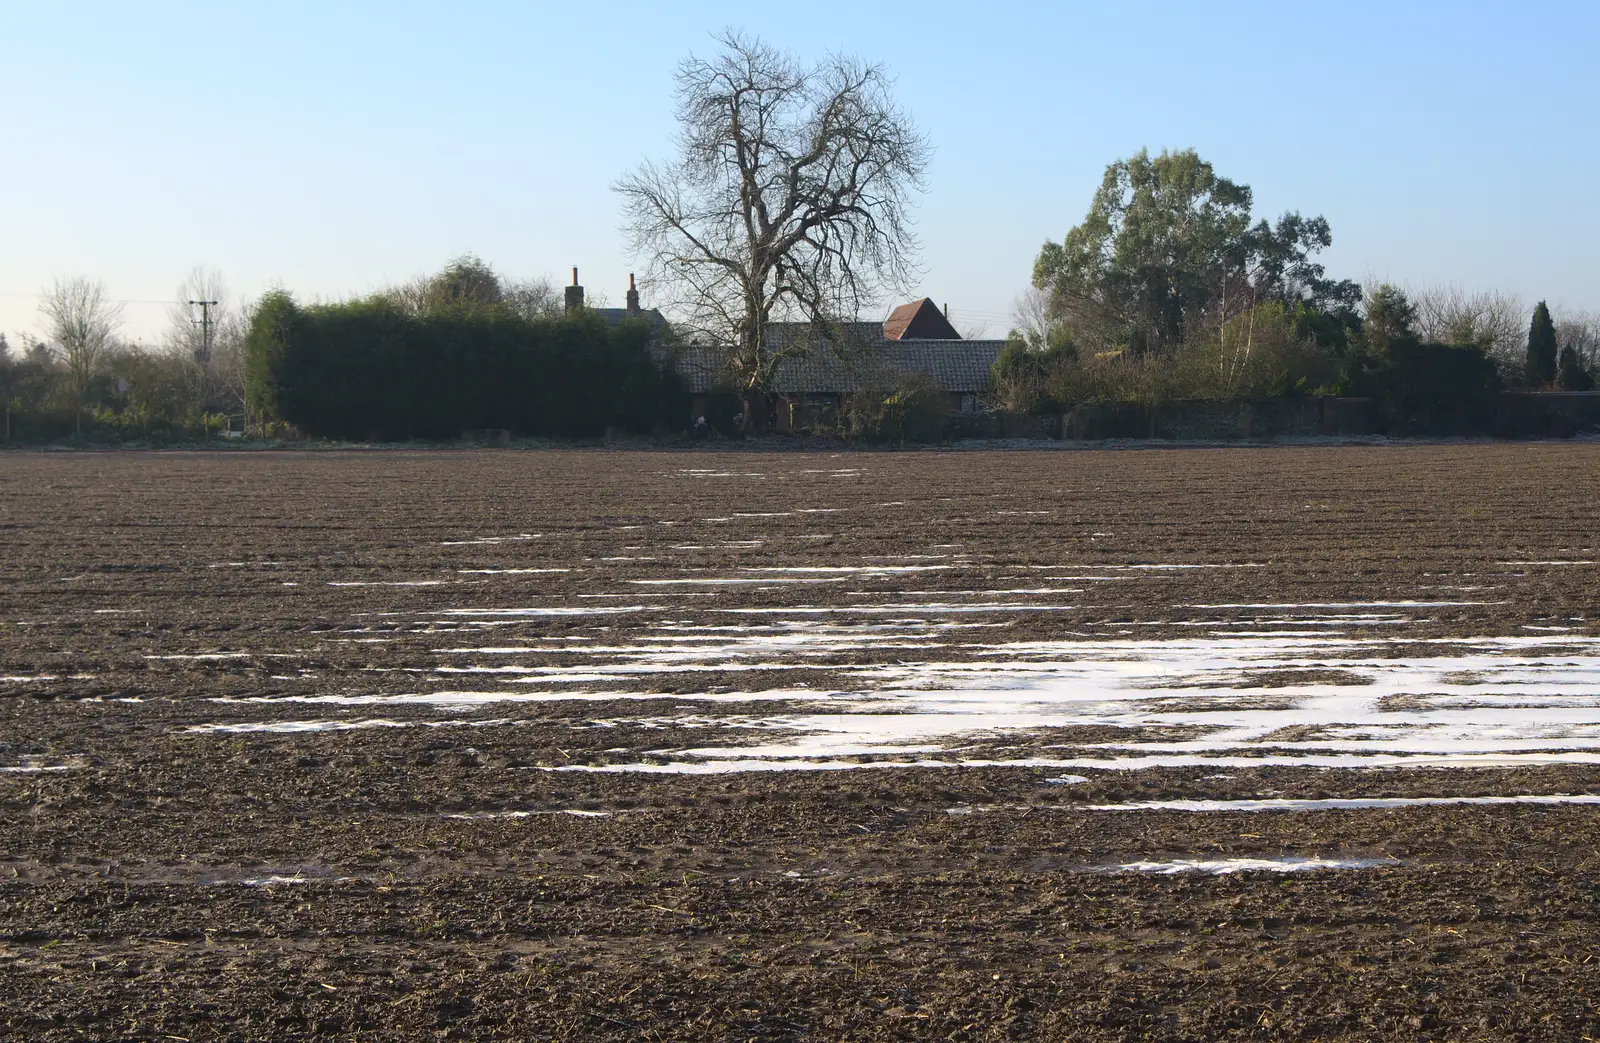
x=456, y=356
x=1171, y=290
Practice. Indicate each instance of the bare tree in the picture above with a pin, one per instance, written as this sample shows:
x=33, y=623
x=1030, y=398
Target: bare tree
x=209, y=339
x=790, y=200
x=1031, y=318
x=1493, y=321
x=535, y=298
x=1580, y=329
x=189, y=331
x=82, y=323
x=468, y=282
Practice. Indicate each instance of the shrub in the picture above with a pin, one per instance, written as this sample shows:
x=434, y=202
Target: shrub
x=371, y=369
x=1438, y=389
x=1261, y=354
x=1571, y=374
x=1022, y=371
x=723, y=403
x=911, y=410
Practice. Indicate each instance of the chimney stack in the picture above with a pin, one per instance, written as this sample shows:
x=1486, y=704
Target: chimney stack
x=633, y=296
x=574, y=293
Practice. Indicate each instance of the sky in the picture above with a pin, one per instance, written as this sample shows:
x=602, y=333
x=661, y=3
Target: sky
x=332, y=147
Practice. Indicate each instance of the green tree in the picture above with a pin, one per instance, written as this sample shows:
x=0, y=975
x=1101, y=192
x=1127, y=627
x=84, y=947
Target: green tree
x=1541, y=347
x=1169, y=243
x=466, y=284
x=1391, y=321
x=1022, y=371
x=1570, y=372
x=266, y=344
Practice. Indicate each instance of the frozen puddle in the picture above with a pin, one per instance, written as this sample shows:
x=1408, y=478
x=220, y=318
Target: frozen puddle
x=550, y=610
x=516, y=572
x=480, y=540
x=289, y=727
x=735, y=581
x=456, y=698
x=473, y=816
x=1289, y=699
x=1338, y=803
x=1224, y=866
x=282, y=881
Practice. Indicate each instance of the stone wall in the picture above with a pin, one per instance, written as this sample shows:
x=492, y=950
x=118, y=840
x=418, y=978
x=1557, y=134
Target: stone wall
x=1548, y=414
x=1545, y=414
x=1194, y=420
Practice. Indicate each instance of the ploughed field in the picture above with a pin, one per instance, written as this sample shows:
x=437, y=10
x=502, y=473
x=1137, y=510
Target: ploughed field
x=1251, y=743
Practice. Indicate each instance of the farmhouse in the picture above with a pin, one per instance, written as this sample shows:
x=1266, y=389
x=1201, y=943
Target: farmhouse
x=613, y=316
x=850, y=358
x=856, y=358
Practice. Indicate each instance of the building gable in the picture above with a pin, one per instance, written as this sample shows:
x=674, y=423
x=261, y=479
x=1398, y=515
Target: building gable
x=919, y=320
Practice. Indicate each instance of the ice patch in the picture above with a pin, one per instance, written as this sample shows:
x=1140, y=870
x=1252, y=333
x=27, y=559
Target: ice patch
x=1153, y=568
x=229, y=655
x=289, y=727
x=511, y=572
x=552, y=610
x=1224, y=700
x=479, y=815
x=1348, y=604
x=1336, y=803
x=1224, y=866
x=741, y=581
x=932, y=607
x=854, y=569
x=700, y=472
x=520, y=537
x=468, y=698
x=1554, y=562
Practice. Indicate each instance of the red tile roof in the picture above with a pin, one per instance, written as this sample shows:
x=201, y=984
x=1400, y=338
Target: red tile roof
x=919, y=320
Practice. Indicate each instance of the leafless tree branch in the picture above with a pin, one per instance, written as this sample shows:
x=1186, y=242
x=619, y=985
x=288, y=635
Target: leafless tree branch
x=790, y=199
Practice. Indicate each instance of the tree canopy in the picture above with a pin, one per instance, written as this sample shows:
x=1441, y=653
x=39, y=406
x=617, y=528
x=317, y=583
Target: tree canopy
x=1168, y=245
x=789, y=199
x=1541, y=347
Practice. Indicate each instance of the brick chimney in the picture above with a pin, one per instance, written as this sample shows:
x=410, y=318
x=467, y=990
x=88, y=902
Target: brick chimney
x=574, y=293
x=633, y=296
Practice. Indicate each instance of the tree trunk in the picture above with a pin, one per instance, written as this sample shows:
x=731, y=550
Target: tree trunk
x=756, y=406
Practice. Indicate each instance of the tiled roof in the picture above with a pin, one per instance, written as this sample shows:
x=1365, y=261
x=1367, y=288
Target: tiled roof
x=960, y=366
x=701, y=365
x=919, y=320
x=614, y=316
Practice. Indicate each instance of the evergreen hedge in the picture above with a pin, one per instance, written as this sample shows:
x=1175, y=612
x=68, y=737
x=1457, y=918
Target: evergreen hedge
x=368, y=369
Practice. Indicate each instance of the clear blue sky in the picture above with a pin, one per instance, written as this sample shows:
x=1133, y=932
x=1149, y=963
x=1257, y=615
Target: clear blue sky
x=333, y=147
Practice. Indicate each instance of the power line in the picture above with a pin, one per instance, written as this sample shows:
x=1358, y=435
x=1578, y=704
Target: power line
x=203, y=354
x=114, y=300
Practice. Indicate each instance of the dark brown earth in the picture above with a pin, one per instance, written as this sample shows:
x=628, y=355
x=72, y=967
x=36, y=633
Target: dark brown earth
x=140, y=893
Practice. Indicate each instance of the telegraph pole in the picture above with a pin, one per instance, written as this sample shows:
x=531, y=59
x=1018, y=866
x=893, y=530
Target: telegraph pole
x=203, y=356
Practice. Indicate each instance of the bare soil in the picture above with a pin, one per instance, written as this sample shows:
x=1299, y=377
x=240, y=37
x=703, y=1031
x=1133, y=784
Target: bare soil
x=428, y=872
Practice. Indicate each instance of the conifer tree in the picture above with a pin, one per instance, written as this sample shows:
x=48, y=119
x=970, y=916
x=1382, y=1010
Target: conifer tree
x=1570, y=374
x=1541, y=347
